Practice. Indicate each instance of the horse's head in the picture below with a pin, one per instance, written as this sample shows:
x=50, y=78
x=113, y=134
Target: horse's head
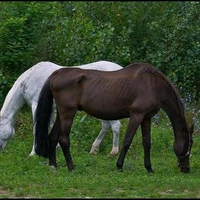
x=6, y=132
x=184, y=161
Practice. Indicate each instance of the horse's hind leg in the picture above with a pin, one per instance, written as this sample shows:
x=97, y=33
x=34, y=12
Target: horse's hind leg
x=116, y=125
x=134, y=122
x=64, y=141
x=146, y=139
x=105, y=127
x=53, y=141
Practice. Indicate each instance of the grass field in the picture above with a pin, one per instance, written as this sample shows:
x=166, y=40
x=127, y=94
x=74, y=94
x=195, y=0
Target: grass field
x=96, y=176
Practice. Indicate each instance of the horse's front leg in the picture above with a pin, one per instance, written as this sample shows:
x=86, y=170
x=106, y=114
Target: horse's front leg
x=33, y=108
x=146, y=139
x=134, y=122
x=64, y=141
x=53, y=141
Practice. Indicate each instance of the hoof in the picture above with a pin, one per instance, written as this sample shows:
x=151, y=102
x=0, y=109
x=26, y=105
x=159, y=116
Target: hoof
x=148, y=168
x=111, y=155
x=70, y=168
x=32, y=154
x=150, y=171
x=93, y=150
x=185, y=169
x=119, y=168
x=53, y=169
x=114, y=151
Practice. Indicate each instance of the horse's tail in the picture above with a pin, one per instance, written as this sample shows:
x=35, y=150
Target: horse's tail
x=42, y=120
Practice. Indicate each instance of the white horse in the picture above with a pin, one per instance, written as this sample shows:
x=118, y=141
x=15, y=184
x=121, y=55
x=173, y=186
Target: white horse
x=26, y=89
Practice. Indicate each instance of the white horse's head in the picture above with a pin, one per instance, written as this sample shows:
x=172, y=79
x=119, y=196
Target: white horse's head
x=6, y=132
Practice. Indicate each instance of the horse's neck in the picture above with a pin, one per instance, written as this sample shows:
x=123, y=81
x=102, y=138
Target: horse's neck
x=13, y=102
x=177, y=118
x=173, y=106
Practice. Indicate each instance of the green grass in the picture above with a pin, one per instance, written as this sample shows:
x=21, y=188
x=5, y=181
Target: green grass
x=96, y=176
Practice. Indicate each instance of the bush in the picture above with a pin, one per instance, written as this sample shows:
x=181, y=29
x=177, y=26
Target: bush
x=165, y=34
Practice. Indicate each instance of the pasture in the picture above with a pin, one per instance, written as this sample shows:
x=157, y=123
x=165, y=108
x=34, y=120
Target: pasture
x=96, y=176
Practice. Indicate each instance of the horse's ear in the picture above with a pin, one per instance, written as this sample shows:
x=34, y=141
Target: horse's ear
x=191, y=129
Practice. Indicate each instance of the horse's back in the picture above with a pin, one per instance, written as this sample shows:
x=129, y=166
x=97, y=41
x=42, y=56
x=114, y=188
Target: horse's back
x=32, y=80
x=35, y=77
x=129, y=75
x=101, y=65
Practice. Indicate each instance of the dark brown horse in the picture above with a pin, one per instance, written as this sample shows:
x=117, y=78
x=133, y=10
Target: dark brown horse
x=137, y=92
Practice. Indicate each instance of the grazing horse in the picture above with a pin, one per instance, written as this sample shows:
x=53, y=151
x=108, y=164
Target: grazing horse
x=26, y=89
x=138, y=92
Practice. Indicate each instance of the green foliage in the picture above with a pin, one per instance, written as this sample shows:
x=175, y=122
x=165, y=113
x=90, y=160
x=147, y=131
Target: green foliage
x=3, y=84
x=6, y=83
x=165, y=34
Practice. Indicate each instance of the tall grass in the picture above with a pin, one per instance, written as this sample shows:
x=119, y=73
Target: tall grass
x=96, y=176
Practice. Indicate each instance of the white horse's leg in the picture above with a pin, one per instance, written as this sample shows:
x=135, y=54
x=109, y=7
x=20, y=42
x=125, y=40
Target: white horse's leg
x=33, y=108
x=105, y=126
x=53, y=118
x=115, y=125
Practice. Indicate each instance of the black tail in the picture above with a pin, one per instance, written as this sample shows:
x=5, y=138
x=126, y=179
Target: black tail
x=42, y=120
